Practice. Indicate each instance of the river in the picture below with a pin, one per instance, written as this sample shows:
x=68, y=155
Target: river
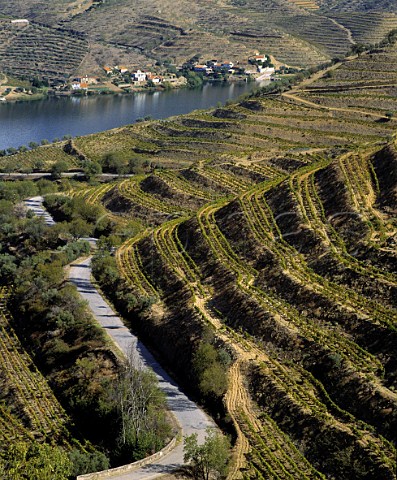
x=21, y=123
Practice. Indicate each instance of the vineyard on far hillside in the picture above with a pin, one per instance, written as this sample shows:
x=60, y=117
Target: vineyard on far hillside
x=39, y=51
x=80, y=37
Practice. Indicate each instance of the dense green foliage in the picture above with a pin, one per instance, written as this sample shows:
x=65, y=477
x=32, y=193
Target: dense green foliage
x=116, y=163
x=210, y=367
x=104, y=268
x=67, y=344
x=84, y=219
x=18, y=190
x=209, y=460
x=32, y=461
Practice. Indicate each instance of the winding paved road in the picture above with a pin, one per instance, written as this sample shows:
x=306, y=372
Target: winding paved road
x=190, y=418
x=35, y=204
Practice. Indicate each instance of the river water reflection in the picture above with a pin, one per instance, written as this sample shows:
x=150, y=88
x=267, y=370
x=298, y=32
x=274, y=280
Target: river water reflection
x=21, y=123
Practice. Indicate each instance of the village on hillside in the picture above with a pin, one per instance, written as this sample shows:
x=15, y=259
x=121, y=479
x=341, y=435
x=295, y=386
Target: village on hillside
x=161, y=76
x=170, y=76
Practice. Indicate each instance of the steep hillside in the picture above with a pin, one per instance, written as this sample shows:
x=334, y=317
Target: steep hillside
x=302, y=291
x=268, y=230
x=36, y=413
x=142, y=32
x=359, y=5
x=40, y=51
x=265, y=232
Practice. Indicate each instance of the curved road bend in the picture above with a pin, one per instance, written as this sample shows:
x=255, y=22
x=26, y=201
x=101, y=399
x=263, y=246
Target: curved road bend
x=190, y=418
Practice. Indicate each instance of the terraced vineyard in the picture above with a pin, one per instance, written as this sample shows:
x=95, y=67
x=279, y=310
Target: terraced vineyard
x=369, y=27
x=39, y=51
x=195, y=28
x=82, y=35
x=277, y=232
x=271, y=223
x=325, y=33
x=92, y=195
x=352, y=87
x=36, y=412
x=40, y=159
x=375, y=5
x=178, y=247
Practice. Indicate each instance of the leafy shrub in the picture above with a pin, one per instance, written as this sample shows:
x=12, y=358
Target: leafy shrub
x=85, y=462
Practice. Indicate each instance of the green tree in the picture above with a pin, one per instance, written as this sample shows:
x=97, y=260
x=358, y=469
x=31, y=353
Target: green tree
x=209, y=460
x=79, y=228
x=135, y=165
x=7, y=267
x=210, y=370
x=359, y=48
x=46, y=186
x=114, y=163
x=58, y=168
x=84, y=462
x=91, y=169
x=38, y=164
x=213, y=380
x=193, y=79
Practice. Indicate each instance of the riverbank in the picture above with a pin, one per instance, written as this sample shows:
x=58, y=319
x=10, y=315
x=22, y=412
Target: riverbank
x=23, y=97
x=108, y=88
x=12, y=93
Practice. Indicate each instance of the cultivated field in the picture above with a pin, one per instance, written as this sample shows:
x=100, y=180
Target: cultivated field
x=39, y=51
x=36, y=414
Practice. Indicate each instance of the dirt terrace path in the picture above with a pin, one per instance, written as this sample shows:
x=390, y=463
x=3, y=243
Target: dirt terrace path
x=298, y=99
x=301, y=87
x=190, y=417
x=350, y=38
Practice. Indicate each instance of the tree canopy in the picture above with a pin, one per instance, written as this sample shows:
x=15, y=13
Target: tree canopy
x=209, y=460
